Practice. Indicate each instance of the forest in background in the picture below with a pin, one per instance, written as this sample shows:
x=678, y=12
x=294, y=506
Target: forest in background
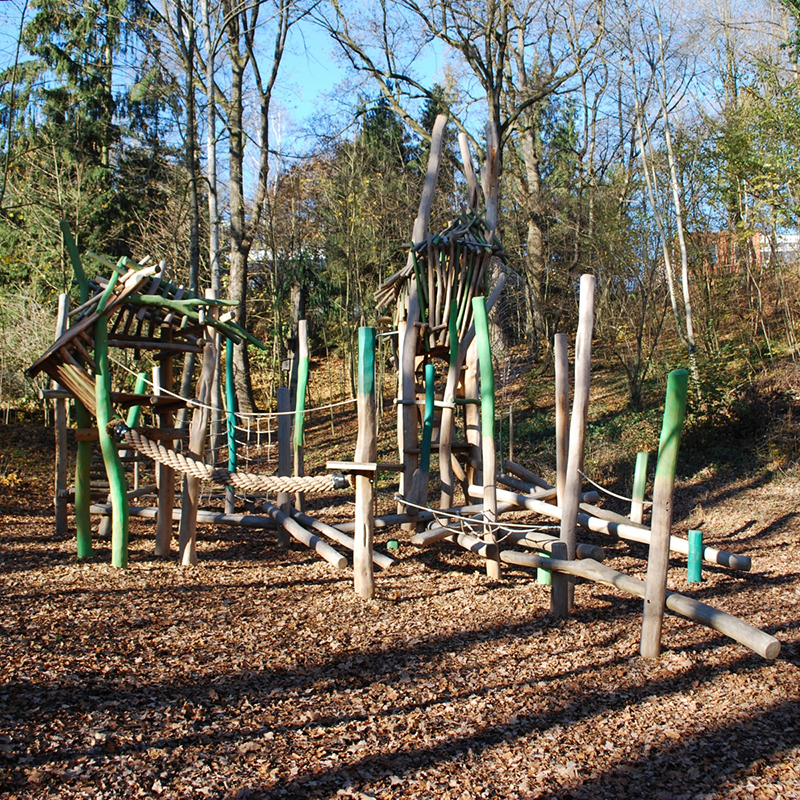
x=652, y=145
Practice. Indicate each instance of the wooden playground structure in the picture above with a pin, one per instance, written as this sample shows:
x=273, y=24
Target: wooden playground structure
x=440, y=301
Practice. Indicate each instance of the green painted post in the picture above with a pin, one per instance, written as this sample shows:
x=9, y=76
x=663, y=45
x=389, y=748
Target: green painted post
x=487, y=372
x=83, y=485
x=639, y=485
x=135, y=412
x=75, y=260
x=83, y=419
x=114, y=469
x=230, y=401
x=488, y=450
x=427, y=423
x=695, y=564
x=300, y=405
x=655, y=596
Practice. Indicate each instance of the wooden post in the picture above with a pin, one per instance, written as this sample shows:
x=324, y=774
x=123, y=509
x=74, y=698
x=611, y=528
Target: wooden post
x=639, y=484
x=655, y=594
x=419, y=488
x=60, y=425
x=577, y=430
x=300, y=406
x=407, y=428
x=488, y=452
x=187, y=537
x=114, y=469
x=165, y=476
x=562, y=412
x=446, y=423
x=366, y=451
x=284, y=456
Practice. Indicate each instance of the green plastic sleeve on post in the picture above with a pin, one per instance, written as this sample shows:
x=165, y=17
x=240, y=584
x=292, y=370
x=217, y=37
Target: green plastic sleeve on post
x=427, y=423
x=135, y=412
x=674, y=411
x=300, y=402
x=230, y=399
x=366, y=361
x=543, y=576
x=114, y=469
x=485, y=361
x=695, y=563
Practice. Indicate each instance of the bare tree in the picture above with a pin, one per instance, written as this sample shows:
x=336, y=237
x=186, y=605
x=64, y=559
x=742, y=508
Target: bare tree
x=520, y=54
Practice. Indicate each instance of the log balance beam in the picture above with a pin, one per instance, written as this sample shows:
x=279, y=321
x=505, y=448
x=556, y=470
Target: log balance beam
x=737, y=629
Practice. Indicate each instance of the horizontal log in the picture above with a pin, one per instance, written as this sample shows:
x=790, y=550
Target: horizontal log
x=527, y=559
x=154, y=344
x=627, y=530
x=474, y=544
x=388, y=521
x=735, y=628
x=342, y=538
x=54, y=394
x=204, y=517
x=537, y=540
x=363, y=466
x=165, y=434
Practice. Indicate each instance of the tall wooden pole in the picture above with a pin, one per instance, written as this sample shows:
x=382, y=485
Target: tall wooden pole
x=187, y=536
x=639, y=484
x=114, y=470
x=580, y=411
x=655, y=594
x=488, y=450
x=408, y=428
x=366, y=451
x=165, y=474
x=562, y=412
x=284, y=456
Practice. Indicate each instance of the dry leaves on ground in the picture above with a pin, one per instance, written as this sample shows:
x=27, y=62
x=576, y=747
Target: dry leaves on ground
x=260, y=675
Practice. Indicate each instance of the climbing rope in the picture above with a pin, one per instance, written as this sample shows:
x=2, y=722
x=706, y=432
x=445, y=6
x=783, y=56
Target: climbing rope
x=246, y=481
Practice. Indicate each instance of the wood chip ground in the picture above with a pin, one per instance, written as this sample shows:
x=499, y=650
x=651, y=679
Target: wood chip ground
x=260, y=675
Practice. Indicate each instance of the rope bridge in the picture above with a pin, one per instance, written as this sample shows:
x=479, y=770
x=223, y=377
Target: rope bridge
x=246, y=481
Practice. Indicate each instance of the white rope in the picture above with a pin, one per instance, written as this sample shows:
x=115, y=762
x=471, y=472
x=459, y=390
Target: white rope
x=610, y=493
x=492, y=527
